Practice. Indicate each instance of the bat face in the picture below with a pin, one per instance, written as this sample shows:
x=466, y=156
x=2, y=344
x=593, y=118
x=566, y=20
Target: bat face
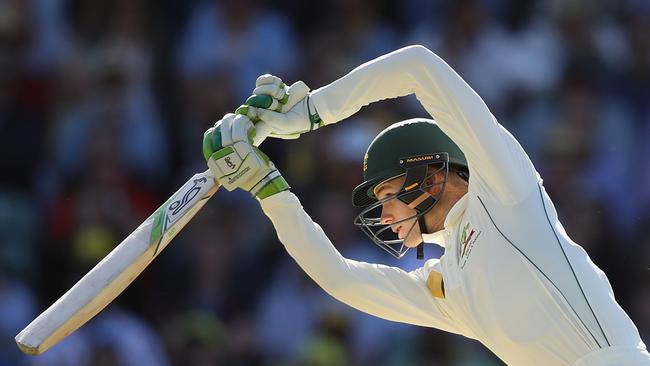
x=118, y=269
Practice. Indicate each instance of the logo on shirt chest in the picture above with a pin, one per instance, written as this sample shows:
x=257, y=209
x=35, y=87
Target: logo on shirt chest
x=468, y=238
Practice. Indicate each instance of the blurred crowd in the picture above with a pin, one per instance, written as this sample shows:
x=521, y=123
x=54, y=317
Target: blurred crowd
x=103, y=104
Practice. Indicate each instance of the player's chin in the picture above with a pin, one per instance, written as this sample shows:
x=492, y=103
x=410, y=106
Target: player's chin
x=413, y=240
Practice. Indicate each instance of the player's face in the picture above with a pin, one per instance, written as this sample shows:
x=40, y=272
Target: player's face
x=394, y=210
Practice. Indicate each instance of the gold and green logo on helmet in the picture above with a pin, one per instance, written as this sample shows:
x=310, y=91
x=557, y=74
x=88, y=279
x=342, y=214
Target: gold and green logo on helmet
x=365, y=162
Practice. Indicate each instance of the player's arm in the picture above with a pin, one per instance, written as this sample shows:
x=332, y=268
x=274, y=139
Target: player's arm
x=493, y=154
x=496, y=159
x=387, y=292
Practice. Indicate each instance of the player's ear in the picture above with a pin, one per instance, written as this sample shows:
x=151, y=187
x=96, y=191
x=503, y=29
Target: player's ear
x=429, y=180
x=433, y=177
x=430, y=184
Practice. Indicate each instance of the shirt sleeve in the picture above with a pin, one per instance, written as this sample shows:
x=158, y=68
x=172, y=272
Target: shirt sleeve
x=383, y=291
x=496, y=160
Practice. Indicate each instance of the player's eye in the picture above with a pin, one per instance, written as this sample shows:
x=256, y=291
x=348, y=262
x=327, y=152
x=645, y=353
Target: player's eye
x=387, y=194
x=383, y=194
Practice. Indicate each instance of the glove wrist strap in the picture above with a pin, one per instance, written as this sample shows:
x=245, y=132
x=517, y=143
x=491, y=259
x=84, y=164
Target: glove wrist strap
x=270, y=186
x=314, y=119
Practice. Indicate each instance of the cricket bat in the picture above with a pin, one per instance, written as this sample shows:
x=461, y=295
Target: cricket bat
x=118, y=269
x=121, y=266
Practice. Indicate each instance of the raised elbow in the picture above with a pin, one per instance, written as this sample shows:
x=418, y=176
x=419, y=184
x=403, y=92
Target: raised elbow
x=413, y=59
x=417, y=52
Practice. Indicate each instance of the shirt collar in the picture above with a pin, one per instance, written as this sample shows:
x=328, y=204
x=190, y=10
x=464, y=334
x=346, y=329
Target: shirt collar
x=454, y=215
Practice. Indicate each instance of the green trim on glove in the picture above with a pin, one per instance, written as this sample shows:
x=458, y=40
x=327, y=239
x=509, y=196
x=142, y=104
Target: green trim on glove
x=262, y=154
x=222, y=152
x=211, y=142
x=275, y=186
x=260, y=101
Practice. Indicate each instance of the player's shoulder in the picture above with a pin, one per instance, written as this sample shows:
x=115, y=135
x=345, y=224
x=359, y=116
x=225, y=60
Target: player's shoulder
x=492, y=193
x=429, y=265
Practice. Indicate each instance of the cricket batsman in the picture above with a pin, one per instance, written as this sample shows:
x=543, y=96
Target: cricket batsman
x=510, y=276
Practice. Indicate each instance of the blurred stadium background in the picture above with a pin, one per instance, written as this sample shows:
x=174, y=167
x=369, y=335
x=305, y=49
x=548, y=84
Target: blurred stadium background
x=102, y=109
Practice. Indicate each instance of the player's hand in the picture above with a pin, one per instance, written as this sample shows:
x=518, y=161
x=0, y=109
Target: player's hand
x=287, y=111
x=236, y=163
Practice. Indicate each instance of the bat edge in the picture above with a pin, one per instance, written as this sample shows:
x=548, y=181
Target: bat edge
x=26, y=349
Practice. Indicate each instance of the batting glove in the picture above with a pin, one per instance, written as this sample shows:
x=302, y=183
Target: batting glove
x=287, y=111
x=236, y=163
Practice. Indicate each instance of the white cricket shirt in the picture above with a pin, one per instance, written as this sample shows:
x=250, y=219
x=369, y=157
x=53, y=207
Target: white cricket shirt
x=513, y=279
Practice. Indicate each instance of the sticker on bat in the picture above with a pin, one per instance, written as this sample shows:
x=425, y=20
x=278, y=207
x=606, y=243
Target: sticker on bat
x=177, y=206
x=172, y=210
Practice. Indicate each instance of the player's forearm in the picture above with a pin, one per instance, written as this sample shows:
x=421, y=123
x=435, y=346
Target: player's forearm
x=306, y=242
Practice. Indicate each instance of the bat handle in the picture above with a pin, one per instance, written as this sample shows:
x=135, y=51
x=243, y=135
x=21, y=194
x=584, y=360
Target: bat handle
x=262, y=131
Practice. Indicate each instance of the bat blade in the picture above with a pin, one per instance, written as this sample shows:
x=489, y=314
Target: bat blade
x=118, y=269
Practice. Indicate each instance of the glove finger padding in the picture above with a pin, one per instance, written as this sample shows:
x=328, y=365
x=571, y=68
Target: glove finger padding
x=289, y=125
x=234, y=128
x=268, y=79
x=257, y=100
x=223, y=127
x=276, y=123
x=275, y=91
x=296, y=92
x=288, y=97
x=211, y=142
x=239, y=129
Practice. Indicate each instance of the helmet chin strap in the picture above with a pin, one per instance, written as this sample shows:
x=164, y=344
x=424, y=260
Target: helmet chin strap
x=423, y=230
x=426, y=200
